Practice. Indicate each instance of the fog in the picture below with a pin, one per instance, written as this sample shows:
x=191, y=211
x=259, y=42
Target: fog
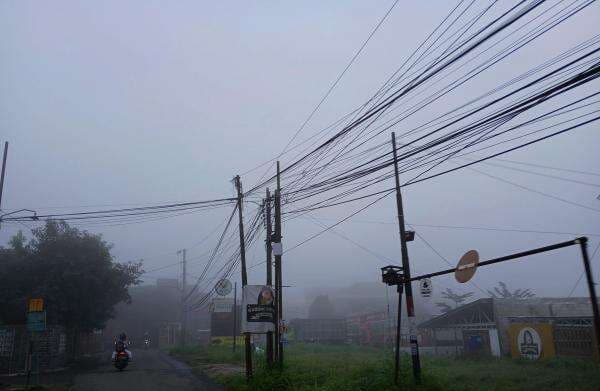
x=112, y=104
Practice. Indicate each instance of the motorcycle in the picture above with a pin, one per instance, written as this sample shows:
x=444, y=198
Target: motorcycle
x=121, y=358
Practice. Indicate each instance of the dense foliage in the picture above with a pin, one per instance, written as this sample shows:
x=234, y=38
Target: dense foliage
x=72, y=270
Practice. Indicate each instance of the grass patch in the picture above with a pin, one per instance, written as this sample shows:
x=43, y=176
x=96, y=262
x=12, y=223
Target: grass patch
x=325, y=368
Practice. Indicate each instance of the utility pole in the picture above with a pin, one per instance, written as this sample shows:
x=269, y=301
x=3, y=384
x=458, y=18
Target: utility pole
x=399, y=288
x=592, y=289
x=234, y=315
x=238, y=185
x=269, y=249
x=183, y=297
x=3, y=171
x=277, y=251
x=410, y=308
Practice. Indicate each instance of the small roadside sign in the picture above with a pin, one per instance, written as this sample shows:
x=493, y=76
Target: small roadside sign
x=36, y=321
x=36, y=305
x=426, y=287
x=467, y=266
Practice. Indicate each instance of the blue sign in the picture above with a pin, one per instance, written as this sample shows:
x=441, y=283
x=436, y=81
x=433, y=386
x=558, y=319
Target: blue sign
x=36, y=321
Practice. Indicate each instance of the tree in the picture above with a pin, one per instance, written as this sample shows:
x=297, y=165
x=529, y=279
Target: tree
x=454, y=297
x=321, y=308
x=502, y=292
x=72, y=270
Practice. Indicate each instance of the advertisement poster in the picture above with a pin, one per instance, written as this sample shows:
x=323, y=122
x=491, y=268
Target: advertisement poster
x=258, y=309
x=531, y=340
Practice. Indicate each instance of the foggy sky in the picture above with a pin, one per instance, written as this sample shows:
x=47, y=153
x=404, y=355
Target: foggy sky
x=135, y=103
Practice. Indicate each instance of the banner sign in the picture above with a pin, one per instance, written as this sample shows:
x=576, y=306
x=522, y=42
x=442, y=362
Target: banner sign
x=36, y=305
x=222, y=305
x=258, y=309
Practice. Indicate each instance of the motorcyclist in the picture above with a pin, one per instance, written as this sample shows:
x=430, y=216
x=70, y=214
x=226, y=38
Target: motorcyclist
x=122, y=340
x=147, y=339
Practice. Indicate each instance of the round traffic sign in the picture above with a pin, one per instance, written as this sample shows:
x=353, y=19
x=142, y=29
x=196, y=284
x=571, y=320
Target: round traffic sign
x=223, y=287
x=467, y=266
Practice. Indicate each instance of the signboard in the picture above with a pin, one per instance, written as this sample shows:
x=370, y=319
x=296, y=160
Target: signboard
x=425, y=287
x=36, y=321
x=258, y=309
x=531, y=340
x=222, y=305
x=223, y=287
x=35, y=305
x=467, y=266
x=277, y=248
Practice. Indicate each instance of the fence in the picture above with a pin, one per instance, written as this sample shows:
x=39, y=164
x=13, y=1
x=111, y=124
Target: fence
x=49, y=349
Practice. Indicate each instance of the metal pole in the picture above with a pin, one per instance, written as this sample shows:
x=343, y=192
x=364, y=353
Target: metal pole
x=269, y=249
x=3, y=171
x=238, y=185
x=234, y=315
x=592, y=288
x=278, y=273
x=410, y=308
x=398, y=335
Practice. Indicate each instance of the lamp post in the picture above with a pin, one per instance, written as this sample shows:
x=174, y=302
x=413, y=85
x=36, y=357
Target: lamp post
x=394, y=275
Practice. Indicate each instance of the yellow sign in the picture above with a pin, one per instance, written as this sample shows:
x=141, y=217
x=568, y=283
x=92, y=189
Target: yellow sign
x=531, y=340
x=36, y=305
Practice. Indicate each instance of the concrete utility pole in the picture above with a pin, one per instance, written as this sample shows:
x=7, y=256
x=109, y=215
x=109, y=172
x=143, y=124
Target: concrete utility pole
x=269, y=250
x=183, y=288
x=278, y=250
x=240, y=196
x=410, y=308
x=3, y=171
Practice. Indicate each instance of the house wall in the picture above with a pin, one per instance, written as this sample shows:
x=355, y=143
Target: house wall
x=535, y=307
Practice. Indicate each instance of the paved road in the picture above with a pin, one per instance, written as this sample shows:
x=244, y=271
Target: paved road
x=150, y=371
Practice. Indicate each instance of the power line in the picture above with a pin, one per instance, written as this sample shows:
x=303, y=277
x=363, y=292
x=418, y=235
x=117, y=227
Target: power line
x=331, y=88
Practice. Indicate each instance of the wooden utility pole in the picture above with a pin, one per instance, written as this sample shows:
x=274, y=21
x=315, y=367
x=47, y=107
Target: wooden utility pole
x=269, y=249
x=238, y=185
x=410, y=308
x=277, y=251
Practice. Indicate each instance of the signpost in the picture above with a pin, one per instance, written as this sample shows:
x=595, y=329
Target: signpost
x=36, y=322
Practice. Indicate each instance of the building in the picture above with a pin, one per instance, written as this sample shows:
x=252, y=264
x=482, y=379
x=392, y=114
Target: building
x=320, y=330
x=532, y=328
